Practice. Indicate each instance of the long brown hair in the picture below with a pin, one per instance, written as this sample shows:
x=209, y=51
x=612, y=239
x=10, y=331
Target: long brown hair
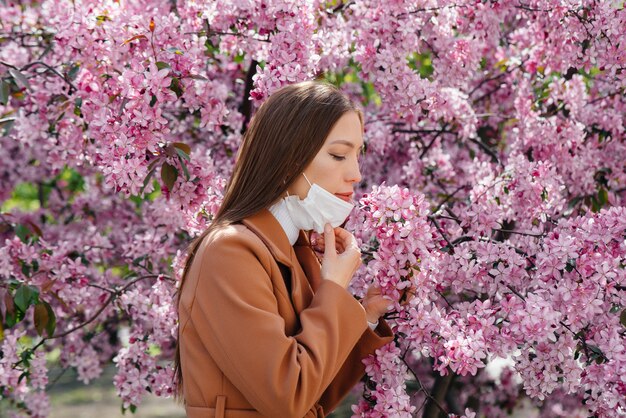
x=284, y=136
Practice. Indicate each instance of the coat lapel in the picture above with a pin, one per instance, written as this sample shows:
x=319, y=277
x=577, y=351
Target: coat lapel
x=308, y=260
x=266, y=227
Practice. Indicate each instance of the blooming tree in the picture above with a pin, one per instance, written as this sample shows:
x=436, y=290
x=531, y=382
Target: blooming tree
x=493, y=202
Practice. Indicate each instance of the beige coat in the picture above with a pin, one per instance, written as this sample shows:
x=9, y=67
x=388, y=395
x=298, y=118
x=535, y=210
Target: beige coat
x=252, y=348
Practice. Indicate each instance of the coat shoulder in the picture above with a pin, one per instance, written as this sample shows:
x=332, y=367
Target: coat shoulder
x=224, y=251
x=233, y=238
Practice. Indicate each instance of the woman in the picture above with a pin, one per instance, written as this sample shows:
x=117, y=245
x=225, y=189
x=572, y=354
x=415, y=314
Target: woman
x=266, y=328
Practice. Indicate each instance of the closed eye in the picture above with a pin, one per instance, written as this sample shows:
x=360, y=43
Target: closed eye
x=337, y=157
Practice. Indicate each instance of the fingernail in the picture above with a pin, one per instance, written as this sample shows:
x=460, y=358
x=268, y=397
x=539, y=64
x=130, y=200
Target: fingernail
x=389, y=308
x=328, y=229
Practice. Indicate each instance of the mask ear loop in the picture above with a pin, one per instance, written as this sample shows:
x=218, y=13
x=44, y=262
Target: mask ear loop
x=307, y=180
x=285, y=182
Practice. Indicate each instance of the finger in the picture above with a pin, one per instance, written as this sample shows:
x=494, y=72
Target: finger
x=373, y=290
x=345, y=238
x=329, y=240
x=342, y=234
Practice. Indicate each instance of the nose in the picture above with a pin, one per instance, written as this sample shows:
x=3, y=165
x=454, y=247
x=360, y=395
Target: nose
x=354, y=175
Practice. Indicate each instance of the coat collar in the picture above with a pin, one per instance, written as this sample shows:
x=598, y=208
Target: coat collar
x=266, y=227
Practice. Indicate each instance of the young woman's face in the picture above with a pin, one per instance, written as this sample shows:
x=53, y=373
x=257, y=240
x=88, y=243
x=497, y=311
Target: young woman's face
x=336, y=166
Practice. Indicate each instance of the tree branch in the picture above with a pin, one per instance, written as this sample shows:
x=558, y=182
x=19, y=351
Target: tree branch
x=43, y=64
x=431, y=399
x=440, y=389
x=246, y=106
x=114, y=295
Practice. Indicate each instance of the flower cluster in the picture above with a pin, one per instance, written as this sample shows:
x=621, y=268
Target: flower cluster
x=542, y=310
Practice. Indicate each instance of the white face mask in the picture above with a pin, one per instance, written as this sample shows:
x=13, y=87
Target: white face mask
x=317, y=209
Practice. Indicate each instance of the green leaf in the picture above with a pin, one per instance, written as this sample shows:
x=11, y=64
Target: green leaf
x=183, y=165
x=176, y=87
x=8, y=303
x=22, y=232
x=25, y=269
x=19, y=78
x=153, y=100
x=52, y=319
x=570, y=265
x=595, y=349
x=183, y=147
x=40, y=318
x=25, y=296
x=73, y=72
x=5, y=92
x=24, y=374
x=13, y=318
x=622, y=317
x=572, y=203
x=26, y=356
x=603, y=196
x=595, y=205
x=169, y=174
x=147, y=179
x=7, y=123
x=161, y=65
x=182, y=154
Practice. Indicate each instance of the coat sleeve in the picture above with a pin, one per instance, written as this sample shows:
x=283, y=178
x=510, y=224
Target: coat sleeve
x=236, y=314
x=353, y=369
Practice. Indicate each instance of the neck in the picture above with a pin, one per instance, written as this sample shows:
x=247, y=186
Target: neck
x=280, y=212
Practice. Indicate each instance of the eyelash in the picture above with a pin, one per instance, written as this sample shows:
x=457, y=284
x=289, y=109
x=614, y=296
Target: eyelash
x=337, y=157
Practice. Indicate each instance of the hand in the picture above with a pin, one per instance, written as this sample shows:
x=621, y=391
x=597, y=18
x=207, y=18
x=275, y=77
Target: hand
x=342, y=256
x=375, y=304
x=318, y=244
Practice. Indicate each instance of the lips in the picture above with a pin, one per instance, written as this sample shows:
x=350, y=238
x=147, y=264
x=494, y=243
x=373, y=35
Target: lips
x=345, y=196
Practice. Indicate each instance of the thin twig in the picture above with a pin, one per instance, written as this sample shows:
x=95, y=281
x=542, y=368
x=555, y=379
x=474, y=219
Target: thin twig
x=487, y=150
x=443, y=234
x=510, y=231
x=419, y=382
x=43, y=64
x=448, y=197
x=112, y=297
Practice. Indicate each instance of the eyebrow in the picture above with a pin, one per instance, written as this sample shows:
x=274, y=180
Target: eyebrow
x=343, y=142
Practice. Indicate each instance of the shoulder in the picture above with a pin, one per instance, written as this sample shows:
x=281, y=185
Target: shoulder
x=225, y=262
x=233, y=243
